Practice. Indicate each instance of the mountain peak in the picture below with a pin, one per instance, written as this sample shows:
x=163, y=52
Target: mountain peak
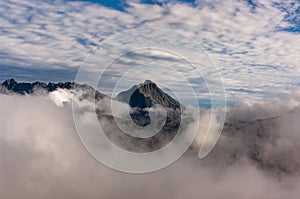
x=147, y=94
x=149, y=82
x=9, y=83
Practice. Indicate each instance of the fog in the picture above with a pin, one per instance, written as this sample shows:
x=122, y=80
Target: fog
x=41, y=156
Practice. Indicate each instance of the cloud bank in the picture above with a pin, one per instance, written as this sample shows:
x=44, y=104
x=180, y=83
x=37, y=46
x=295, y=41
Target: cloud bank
x=41, y=156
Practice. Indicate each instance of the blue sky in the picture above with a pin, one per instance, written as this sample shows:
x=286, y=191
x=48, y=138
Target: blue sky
x=255, y=44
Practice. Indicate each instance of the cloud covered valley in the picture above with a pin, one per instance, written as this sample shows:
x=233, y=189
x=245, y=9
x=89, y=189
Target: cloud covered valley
x=41, y=156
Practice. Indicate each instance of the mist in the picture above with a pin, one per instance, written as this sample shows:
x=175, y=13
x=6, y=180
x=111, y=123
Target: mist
x=41, y=156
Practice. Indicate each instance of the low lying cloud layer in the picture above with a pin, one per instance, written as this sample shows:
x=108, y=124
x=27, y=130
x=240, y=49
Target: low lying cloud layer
x=41, y=156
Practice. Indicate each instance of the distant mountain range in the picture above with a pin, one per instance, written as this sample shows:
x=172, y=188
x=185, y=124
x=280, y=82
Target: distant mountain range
x=141, y=96
x=23, y=88
x=11, y=85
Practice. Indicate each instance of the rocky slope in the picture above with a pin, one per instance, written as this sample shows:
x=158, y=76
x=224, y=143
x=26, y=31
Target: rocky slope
x=146, y=95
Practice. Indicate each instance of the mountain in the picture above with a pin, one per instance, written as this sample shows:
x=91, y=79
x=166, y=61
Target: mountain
x=146, y=95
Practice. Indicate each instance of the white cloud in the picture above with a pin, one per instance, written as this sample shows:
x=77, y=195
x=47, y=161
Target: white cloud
x=245, y=43
x=60, y=97
x=42, y=157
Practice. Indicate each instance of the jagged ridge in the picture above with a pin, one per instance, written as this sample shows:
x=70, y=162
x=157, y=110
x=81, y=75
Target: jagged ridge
x=12, y=85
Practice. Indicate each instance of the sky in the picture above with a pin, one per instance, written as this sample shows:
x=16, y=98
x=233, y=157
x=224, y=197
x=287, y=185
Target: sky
x=252, y=47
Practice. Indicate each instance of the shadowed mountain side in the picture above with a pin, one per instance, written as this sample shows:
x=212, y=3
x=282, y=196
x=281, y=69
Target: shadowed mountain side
x=144, y=96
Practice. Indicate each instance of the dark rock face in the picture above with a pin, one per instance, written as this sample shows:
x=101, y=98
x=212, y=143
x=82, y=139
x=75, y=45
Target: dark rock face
x=10, y=83
x=145, y=95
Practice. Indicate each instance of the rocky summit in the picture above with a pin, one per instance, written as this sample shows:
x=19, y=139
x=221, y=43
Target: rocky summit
x=146, y=95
